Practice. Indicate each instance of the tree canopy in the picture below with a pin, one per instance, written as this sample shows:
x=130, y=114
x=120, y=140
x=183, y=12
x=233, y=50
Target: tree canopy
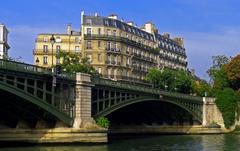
x=72, y=63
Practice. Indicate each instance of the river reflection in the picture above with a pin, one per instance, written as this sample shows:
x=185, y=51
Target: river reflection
x=224, y=142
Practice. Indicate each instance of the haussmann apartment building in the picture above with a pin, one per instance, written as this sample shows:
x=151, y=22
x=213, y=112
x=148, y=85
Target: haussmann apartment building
x=116, y=49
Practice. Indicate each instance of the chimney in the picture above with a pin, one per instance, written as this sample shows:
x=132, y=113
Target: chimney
x=166, y=35
x=69, y=29
x=149, y=27
x=82, y=14
x=113, y=16
x=130, y=23
x=179, y=41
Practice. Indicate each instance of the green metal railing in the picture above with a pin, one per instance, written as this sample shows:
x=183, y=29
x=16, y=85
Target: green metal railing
x=28, y=68
x=144, y=89
x=23, y=67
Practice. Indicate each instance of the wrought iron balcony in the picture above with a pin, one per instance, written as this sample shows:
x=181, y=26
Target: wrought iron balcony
x=120, y=39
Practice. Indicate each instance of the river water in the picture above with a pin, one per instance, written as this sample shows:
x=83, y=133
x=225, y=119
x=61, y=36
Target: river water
x=223, y=142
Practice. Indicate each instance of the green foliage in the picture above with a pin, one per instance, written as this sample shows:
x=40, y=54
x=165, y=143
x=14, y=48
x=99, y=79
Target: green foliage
x=220, y=79
x=226, y=101
x=218, y=62
x=103, y=122
x=171, y=80
x=72, y=63
x=202, y=87
x=233, y=72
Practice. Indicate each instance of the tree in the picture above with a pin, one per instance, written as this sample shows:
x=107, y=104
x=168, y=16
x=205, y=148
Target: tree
x=73, y=63
x=226, y=101
x=170, y=80
x=154, y=76
x=233, y=72
x=218, y=62
x=201, y=87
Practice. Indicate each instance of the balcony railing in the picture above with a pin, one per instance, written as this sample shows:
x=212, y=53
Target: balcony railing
x=120, y=39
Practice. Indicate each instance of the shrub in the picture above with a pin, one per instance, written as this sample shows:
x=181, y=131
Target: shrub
x=226, y=100
x=103, y=122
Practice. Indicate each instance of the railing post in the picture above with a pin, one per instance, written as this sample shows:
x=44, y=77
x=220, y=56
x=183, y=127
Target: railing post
x=83, y=104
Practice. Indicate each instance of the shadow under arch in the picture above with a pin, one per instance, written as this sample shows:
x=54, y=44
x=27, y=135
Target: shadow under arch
x=38, y=102
x=123, y=104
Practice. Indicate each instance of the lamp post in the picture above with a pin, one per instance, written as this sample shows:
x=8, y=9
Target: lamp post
x=52, y=40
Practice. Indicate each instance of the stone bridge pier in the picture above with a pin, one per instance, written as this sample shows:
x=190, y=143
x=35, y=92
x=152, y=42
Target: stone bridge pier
x=83, y=105
x=211, y=113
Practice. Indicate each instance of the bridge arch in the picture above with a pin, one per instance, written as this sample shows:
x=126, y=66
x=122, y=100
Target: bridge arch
x=123, y=104
x=37, y=102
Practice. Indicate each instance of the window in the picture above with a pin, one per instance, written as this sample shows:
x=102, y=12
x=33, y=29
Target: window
x=115, y=46
x=108, y=32
x=99, y=31
x=58, y=48
x=89, y=45
x=89, y=22
x=45, y=48
x=77, y=40
x=77, y=49
x=100, y=70
x=114, y=32
x=99, y=43
x=127, y=50
x=45, y=60
x=89, y=31
x=58, y=39
x=99, y=57
x=108, y=45
x=45, y=39
x=115, y=60
x=89, y=58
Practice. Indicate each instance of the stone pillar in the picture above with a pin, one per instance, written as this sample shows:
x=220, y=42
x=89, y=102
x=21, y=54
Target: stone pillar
x=83, y=106
x=211, y=112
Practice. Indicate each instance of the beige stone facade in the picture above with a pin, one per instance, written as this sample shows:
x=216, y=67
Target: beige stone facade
x=116, y=49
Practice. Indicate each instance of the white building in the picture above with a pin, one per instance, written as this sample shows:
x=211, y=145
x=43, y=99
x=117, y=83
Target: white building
x=3, y=41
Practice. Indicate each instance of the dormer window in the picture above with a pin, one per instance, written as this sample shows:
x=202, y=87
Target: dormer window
x=89, y=22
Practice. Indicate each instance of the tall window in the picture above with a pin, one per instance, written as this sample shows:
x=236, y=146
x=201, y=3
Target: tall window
x=58, y=48
x=115, y=46
x=115, y=60
x=99, y=43
x=45, y=48
x=89, y=31
x=77, y=40
x=99, y=31
x=99, y=70
x=114, y=32
x=77, y=49
x=89, y=45
x=108, y=32
x=45, y=39
x=89, y=58
x=45, y=60
x=99, y=58
x=108, y=45
x=128, y=61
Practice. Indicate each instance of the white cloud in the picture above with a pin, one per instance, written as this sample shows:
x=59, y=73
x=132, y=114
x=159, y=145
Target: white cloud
x=201, y=46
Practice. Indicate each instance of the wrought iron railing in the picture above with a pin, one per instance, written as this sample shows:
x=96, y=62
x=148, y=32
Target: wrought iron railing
x=24, y=67
x=120, y=39
x=142, y=87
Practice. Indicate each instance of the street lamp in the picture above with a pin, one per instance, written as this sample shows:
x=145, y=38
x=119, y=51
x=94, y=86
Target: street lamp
x=52, y=40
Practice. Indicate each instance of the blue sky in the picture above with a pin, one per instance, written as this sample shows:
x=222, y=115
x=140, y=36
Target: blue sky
x=209, y=27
